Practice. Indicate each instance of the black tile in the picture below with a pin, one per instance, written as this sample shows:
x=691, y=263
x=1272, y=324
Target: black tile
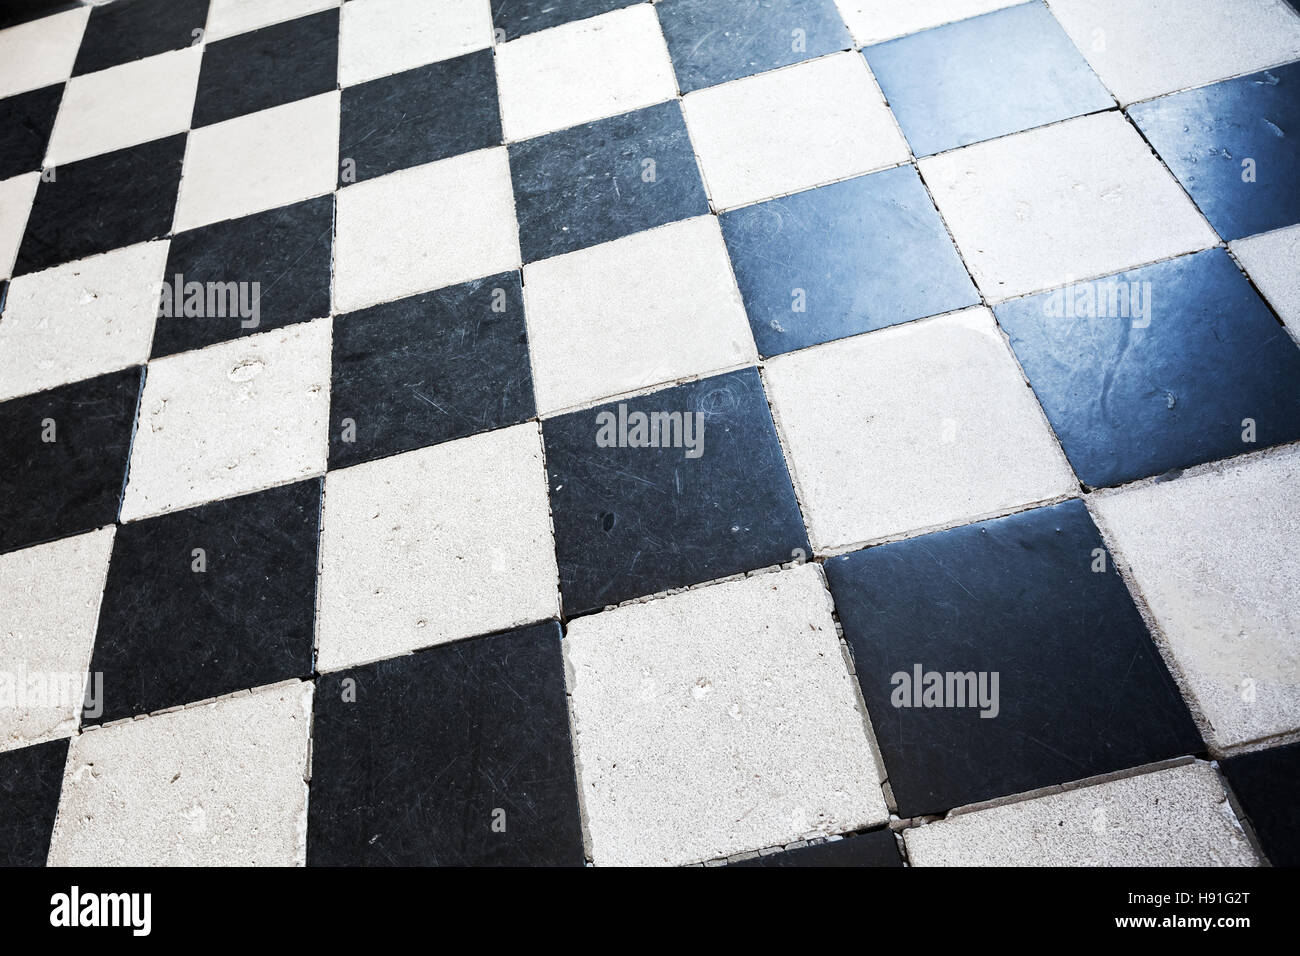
x=1131, y=397
x=514, y=18
x=414, y=759
x=127, y=30
x=25, y=124
x=631, y=521
x=604, y=180
x=713, y=41
x=417, y=117
x=14, y=12
x=103, y=203
x=285, y=251
x=1233, y=146
x=178, y=626
x=4, y=291
x=31, y=779
x=877, y=848
x=1267, y=785
x=1081, y=688
x=429, y=368
x=847, y=258
x=268, y=67
x=54, y=488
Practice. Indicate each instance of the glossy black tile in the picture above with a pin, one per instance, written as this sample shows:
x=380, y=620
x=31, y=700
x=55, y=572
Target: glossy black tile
x=1267, y=785
x=642, y=505
x=14, y=12
x=847, y=258
x=428, y=369
x=103, y=203
x=31, y=779
x=514, y=18
x=127, y=30
x=65, y=457
x=25, y=124
x=877, y=848
x=209, y=601
x=1023, y=619
x=1233, y=146
x=604, y=180
x=455, y=756
x=282, y=259
x=1163, y=367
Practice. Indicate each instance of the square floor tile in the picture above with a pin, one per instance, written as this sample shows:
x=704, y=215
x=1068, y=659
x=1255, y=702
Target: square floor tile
x=459, y=756
x=1228, y=145
x=433, y=546
x=210, y=601
x=713, y=41
x=717, y=721
x=1007, y=203
x=419, y=116
x=80, y=319
x=1265, y=783
x=1080, y=688
x=826, y=263
x=874, y=20
x=23, y=11
x=678, y=487
x=378, y=37
x=229, y=419
x=260, y=161
x=1270, y=261
x=25, y=124
x=41, y=52
x=604, y=180
x=30, y=780
x=515, y=18
x=103, y=203
x=1176, y=382
x=230, y=17
x=1211, y=556
x=16, y=197
x=65, y=458
x=127, y=30
x=181, y=789
x=45, y=644
x=640, y=311
x=912, y=428
x=428, y=369
x=876, y=848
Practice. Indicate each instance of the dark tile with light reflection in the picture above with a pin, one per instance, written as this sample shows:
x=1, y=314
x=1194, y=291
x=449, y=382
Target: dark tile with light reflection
x=1267, y=785
x=31, y=779
x=515, y=18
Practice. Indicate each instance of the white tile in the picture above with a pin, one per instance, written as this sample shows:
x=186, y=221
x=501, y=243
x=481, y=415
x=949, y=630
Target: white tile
x=1146, y=49
x=1174, y=817
x=1078, y=200
x=425, y=228
x=912, y=428
x=49, y=607
x=80, y=319
x=221, y=784
x=791, y=129
x=650, y=308
x=1272, y=261
x=717, y=721
x=228, y=17
x=260, y=161
x=1213, y=554
x=231, y=419
x=435, y=545
x=379, y=37
x=871, y=21
x=41, y=52
x=582, y=71
x=126, y=105
x=16, y=197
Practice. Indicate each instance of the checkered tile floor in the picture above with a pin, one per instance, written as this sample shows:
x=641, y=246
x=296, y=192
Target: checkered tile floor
x=548, y=431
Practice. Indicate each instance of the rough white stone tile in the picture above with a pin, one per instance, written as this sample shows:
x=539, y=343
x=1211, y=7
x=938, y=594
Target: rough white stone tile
x=40, y=52
x=1214, y=554
x=1272, y=260
x=16, y=197
x=228, y=17
x=379, y=37
x=912, y=428
x=221, y=784
x=81, y=319
x=716, y=721
x=425, y=228
x=230, y=419
x=435, y=545
x=790, y=129
x=1073, y=201
x=871, y=21
x=1174, y=817
x=639, y=311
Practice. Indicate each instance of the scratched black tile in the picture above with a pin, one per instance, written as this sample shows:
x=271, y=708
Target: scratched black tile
x=428, y=369
x=713, y=41
x=65, y=456
x=631, y=521
x=604, y=180
x=1267, y=785
x=1233, y=146
x=14, y=12
x=1082, y=689
x=268, y=67
x=827, y=263
x=127, y=30
x=285, y=251
x=515, y=18
x=456, y=756
x=25, y=124
x=209, y=601
x=31, y=779
x=877, y=848
x=1175, y=386
x=419, y=116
